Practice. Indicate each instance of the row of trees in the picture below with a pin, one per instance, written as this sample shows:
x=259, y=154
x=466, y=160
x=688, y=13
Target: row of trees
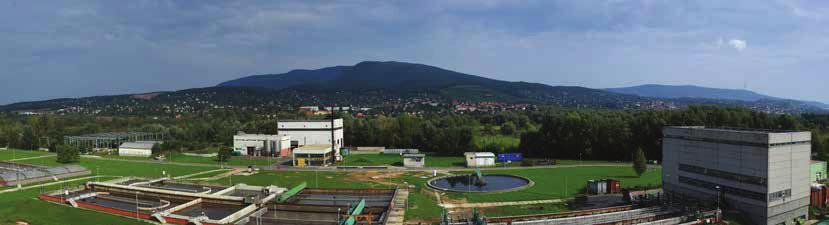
x=548, y=133
x=613, y=135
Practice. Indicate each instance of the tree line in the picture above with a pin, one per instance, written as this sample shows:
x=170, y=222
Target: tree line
x=560, y=133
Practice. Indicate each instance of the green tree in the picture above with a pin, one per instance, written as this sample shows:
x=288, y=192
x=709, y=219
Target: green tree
x=68, y=154
x=156, y=150
x=508, y=128
x=224, y=155
x=640, y=163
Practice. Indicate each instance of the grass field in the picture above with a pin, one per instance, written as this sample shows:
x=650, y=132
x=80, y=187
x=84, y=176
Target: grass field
x=288, y=179
x=123, y=168
x=525, y=210
x=556, y=183
x=23, y=206
x=550, y=183
x=28, y=208
x=396, y=160
x=499, y=142
x=17, y=154
x=181, y=158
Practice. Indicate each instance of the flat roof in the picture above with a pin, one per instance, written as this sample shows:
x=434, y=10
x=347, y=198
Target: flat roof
x=738, y=129
x=480, y=154
x=414, y=155
x=313, y=149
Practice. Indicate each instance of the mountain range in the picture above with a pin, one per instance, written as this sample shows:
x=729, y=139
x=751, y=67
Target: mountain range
x=691, y=91
x=397, y=85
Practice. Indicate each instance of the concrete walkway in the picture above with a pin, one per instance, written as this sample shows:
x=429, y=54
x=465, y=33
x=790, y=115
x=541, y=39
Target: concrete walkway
x=499, y=204
x=52, y=183
x=398, y=209
x=199, y=173
x=35, y=157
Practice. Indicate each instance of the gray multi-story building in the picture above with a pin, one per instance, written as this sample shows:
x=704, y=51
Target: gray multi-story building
x=762, y=174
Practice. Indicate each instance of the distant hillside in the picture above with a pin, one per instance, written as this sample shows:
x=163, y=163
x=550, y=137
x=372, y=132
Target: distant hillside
x=390, y=87
x=690, y=91
x=405, y=78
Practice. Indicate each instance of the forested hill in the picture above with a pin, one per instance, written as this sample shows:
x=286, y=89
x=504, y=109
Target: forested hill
x=384, y=87
x=401, y=78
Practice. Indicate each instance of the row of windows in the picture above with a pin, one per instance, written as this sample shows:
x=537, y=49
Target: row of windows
x=780, y=195
x=732, y=142
x=725, y=189
x=724, y=175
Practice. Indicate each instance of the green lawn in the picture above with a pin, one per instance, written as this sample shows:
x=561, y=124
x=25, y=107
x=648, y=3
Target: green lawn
x=288, y=179
x=28, y=208
x=556, y=183
x=123, y=168
x=181, y=158
x=372, y=160
x=396, y=160
x=525, y=210
x=24, y=206
x=496, y=143
x=17, y=154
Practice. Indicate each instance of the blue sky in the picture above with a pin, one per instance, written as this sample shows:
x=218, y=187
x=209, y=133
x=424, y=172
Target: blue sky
x=53, y=49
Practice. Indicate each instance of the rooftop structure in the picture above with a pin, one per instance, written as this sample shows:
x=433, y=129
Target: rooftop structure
x=12, y=174
x=110, y=140
x=761, y=173
x=313, y=155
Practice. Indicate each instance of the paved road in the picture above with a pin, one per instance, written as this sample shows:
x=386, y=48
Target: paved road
x=390, y=168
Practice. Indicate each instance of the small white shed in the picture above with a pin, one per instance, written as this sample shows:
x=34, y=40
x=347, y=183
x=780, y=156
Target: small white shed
x=480, y=159
x=138, y=148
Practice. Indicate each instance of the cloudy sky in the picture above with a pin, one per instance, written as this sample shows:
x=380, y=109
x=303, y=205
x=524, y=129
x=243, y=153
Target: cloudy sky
x=51, y=49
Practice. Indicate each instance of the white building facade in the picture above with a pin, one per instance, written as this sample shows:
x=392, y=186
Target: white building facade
x=313, y=132
x=763, y=174
x=480, y=159
x=137, y=149
x=261, y=144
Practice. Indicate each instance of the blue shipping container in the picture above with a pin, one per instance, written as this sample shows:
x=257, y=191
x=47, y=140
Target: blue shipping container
x=512, y=157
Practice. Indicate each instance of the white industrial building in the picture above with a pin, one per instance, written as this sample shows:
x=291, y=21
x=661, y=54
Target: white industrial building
x=314, y=132
x=137, y=148
x=480, y=159
x=261, y=144
x=763, y=174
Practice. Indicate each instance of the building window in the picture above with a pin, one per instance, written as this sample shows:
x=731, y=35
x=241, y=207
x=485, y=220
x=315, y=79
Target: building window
x=746, y=179
x=725, y=189
x=780, y=195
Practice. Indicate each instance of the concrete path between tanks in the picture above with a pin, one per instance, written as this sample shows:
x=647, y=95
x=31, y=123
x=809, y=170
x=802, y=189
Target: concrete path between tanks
x=35, y=157
x=398, y=209
x=52, y=183
x=499, y=204
x=199, y=173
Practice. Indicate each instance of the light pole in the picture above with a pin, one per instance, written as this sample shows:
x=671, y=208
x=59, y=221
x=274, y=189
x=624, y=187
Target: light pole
x=136, y=206
x=718, y=197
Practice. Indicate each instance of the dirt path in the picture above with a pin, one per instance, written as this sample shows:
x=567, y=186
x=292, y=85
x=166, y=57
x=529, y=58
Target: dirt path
x=499, y=204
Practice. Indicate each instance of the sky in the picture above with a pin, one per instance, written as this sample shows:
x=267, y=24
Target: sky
x=55, y=49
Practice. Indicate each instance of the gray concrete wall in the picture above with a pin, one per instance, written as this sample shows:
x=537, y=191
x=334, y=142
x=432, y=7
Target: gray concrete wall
x=781, y=158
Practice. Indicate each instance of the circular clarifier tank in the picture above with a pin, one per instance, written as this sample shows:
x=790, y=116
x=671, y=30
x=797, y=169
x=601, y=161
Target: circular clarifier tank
x=473, y=183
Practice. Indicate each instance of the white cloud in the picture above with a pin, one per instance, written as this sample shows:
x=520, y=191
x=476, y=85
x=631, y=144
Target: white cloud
x=738, y=44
